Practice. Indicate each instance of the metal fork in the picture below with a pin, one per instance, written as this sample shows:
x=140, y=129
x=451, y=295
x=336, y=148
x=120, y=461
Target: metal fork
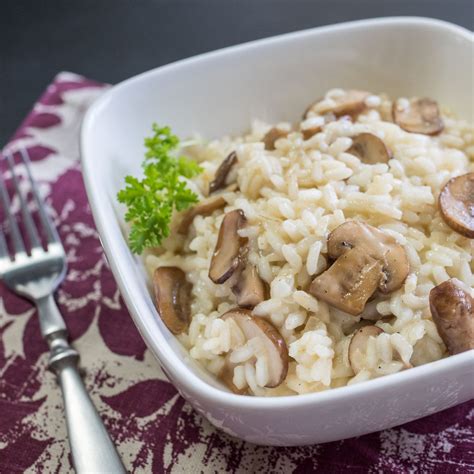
x=34, y=272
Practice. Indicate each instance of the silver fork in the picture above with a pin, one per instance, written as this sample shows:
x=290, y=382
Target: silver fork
x=34, y=272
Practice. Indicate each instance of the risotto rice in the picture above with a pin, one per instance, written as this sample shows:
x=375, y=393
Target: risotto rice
x=294, y=191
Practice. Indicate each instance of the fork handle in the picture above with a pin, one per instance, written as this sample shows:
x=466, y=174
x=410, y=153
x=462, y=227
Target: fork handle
x=50, y=318
x=91, y=447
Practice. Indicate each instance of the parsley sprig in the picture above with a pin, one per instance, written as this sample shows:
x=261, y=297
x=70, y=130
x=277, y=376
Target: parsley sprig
x=150, y=201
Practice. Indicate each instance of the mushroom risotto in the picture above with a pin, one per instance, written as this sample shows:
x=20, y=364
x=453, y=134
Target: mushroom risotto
x=327, y=252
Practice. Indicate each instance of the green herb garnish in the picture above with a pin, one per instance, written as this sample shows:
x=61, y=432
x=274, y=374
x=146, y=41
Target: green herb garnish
x=151, y=200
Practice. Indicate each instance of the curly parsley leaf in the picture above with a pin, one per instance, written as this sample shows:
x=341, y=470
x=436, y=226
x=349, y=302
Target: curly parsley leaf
x=150, y=201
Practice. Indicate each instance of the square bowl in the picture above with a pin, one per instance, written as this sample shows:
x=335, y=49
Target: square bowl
x=274, y=79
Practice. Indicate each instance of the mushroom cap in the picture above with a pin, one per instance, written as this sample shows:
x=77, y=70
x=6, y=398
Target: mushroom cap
x=358, y=346
x=349, y=282
x=311, y=131
x=272, y=136
x=249, y=289
x=230, y=247
x=227, y=376
x=204, y=208
x=273, y=342
x=352, y=103
x=352, y=234
x=395, y=269
x=172, y=298
x=456, y=203
x=370, y=149
x=378, y=245
x=452, y=310
x=222, y=172
x=421, y=116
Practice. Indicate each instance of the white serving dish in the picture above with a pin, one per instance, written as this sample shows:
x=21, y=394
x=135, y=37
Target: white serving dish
x=275, y=79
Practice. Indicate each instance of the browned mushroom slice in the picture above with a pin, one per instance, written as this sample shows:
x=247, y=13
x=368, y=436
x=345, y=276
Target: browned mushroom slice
x=229, y=249
x=349, y=282
x=357, y=234
x=227, y=376
x=204, y=208
x=358, y=346
x=456, y=203
x=172, y=298
x=418, y=116
x=352, y=103
x=395, y=269
x=369, y=148
x=250, y=289
x=370, y=312
x=273, y=342
x=452, y=309
x=220, y=179
x=380, y=246
x=272, y=136
x=311, y=131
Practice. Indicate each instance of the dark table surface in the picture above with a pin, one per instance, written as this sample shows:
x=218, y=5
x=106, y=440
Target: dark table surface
x=110, y=40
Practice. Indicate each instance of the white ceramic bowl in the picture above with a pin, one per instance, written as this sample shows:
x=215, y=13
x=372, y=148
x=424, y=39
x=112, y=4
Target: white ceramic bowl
x=275, y=79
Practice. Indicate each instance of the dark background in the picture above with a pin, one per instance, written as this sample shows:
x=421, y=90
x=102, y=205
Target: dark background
x=110, y=40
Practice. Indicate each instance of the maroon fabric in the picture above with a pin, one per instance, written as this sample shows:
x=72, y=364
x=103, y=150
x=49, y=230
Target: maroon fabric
x=154, y=428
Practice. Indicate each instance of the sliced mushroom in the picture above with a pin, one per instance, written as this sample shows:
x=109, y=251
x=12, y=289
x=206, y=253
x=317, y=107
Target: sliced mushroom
x=250, y=289
x=227, y=376
x=376, y=244
x=358, y=346
x=172, y=298
x=352, y=103
x=369, y=148
x=418, y=116
x=220, y=179
x=273, y=342
x=313, y=125
x=349, y=282
x=230, y=247
x=395, y=269
x=370, y=312
x=456, y=203
x=452, y=309
x=367, y=260
x=311, y=130
x=272, y=136
x=204, y=208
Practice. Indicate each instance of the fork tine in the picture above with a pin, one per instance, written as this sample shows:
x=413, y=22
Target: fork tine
x=3, y=247
x=18, y=244
x=27, y=218
x=51, y=233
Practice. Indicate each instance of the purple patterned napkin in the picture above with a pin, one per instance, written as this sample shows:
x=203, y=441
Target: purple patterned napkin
x=154, y=428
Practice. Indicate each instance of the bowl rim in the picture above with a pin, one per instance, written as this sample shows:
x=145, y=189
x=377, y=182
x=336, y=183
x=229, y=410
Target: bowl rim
x=167, y=357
